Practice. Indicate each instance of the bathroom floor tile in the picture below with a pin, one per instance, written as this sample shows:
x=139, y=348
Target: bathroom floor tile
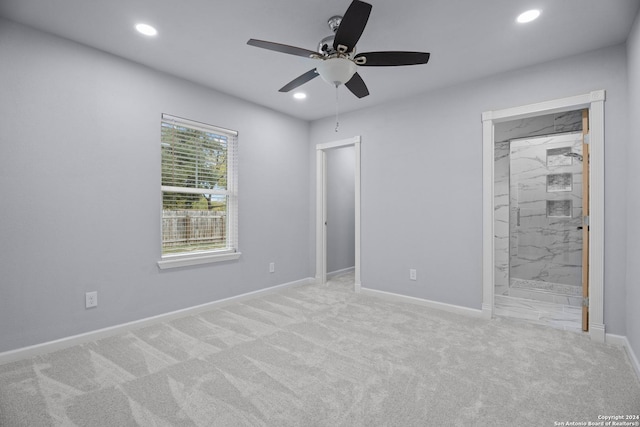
x=542, y=313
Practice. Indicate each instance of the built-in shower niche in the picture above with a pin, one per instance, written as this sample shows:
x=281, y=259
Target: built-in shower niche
x=557, y=182
x=559, y=209
x=559, y=157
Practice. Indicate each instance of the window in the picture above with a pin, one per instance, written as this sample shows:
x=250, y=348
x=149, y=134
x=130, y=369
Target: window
x=199, y=192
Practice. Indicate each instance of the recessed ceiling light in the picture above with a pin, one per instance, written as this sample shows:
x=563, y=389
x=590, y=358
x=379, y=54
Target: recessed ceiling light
x=528, y=16
x=146, y=29
x=299, y=95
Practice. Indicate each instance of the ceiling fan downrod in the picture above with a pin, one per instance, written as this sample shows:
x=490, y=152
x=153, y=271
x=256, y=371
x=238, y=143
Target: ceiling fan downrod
x=325, y=47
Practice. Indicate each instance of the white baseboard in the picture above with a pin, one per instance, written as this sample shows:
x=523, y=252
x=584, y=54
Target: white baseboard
x=622, y=341
x=50, y=346
x=340, y=272
x=597, y=332
x=619, y=340
x=487, y=311
x=465, y=311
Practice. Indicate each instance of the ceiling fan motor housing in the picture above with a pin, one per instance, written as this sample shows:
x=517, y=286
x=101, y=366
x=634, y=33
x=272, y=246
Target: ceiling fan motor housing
x=325, y=47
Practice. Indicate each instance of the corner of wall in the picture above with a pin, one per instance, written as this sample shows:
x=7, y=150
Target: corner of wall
x=633, y=199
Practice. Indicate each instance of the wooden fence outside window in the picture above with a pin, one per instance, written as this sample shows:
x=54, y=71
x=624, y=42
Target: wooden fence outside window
x=193, y=230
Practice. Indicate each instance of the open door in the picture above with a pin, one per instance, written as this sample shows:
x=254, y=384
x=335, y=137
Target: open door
x=585, y=222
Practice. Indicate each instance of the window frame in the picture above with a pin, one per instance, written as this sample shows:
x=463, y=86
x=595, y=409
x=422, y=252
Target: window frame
x=231, y=251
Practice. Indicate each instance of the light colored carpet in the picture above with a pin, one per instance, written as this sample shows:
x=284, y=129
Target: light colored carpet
x=323, y=356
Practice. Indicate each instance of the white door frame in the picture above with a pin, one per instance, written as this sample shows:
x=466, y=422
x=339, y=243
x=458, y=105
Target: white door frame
x=594, y=101
x=321, y=207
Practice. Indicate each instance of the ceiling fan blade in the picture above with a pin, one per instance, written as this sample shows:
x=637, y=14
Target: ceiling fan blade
x=391, y=59
x=357, y=87
x=278, y=47
x=352, y=25
x=309, y=75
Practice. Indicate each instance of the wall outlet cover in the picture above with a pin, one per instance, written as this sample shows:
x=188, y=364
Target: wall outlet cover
x=91, y=299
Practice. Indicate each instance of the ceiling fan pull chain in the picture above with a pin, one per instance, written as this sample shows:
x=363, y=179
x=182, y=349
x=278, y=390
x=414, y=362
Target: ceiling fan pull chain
x=337, y=122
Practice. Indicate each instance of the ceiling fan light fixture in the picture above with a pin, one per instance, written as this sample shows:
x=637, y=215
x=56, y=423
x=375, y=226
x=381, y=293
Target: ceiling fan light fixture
x=336, y=71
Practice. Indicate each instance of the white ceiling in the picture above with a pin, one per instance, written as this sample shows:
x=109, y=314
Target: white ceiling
x=205, y=40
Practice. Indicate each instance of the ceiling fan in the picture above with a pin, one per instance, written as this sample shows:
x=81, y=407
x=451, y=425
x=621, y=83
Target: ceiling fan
x=337, y=55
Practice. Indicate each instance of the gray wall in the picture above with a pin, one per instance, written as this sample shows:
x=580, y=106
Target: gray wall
x=422, y=158
x=633, y=194
x=340, y=208
x=80, y=191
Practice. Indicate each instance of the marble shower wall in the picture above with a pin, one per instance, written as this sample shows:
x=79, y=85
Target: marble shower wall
x=504, y=133
x=545, y=202
x=549, y=124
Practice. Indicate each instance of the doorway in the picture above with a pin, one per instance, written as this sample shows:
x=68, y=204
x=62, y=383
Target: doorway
x=322, y=211
x=594, y=103
x=340, y=213
x=538, y=232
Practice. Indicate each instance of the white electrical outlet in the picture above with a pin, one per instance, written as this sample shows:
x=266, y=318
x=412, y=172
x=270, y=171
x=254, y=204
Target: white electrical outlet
x=91, y=299
x=272, y=267
x=413, y=275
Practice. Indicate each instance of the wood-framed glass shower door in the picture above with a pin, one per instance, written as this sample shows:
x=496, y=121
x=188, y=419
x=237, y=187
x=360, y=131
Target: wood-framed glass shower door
x=546, y=216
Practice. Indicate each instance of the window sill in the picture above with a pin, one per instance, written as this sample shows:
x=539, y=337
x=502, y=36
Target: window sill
x=185, y=260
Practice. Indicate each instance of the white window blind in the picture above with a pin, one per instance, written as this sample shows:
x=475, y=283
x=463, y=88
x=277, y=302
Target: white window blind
x=199, y=187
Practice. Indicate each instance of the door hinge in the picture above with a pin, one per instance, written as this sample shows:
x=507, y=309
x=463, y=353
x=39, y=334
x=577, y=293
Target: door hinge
x=585, y=301
x=586, y=139
x=585, y=220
